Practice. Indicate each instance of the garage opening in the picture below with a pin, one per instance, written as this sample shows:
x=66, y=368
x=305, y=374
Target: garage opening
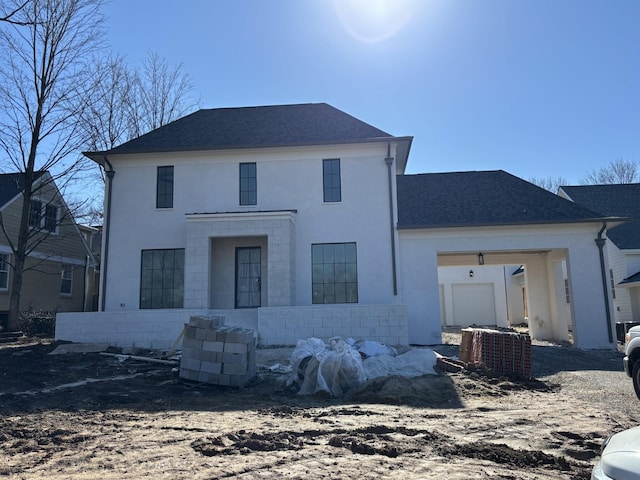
x=527, y=291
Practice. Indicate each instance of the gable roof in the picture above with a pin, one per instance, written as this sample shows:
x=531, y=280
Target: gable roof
x=254, y=127
x=463, y=199
x=11, y=184
x=621, y=200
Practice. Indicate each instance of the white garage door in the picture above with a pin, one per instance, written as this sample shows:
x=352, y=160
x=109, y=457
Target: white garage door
x=473, y=304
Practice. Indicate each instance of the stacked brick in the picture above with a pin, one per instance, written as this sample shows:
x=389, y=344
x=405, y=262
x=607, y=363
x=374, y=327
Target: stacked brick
x=504, y=353
x=217, y=354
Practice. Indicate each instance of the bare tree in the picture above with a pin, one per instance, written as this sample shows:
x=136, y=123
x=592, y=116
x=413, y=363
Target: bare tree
x=127, y=103
x=106, y=121
x=162, y=94
x=45, y=77
x=617, y=171
x=548, y=183
x=9, y=13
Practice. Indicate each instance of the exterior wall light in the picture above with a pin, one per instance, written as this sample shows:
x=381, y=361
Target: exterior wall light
x=470, y=273
x=480, y=258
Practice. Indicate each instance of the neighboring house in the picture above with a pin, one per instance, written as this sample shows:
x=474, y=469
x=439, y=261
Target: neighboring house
x=298, y=221
x=54, y=277
x=623, y=249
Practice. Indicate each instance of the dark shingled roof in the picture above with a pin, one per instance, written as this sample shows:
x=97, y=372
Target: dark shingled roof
x=481, y=198
x=635, y=278
x=619, y=200
x=247, y=127
x=11, y=184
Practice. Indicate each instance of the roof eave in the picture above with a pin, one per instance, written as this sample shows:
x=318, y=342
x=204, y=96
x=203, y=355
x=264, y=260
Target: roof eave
x=98, y=157
x=512, y=224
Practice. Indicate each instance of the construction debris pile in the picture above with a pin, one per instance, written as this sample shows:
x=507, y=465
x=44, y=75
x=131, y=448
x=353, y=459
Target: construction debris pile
x=217, y=354
x=343, y=365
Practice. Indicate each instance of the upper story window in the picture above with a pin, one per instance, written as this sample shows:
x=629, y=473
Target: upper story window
x=51, y=217
x=67, y=279
x=164, y=187
x=248, y=184
x=43, y=216
x=4, y=271
x=331, y=180
x=35, y=213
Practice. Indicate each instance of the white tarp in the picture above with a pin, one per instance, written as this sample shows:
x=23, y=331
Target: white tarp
x=339, y=366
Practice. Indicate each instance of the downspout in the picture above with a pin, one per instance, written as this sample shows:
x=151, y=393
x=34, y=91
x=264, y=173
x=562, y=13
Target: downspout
x=389, y=161
x=105, y=232
x=85, y=283
x=600, y=242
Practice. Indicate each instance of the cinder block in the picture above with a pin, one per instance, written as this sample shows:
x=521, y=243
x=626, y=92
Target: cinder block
x=190, y=332
x=211, y=336
x=234, y=368
x=245, y=336
x=224, y=380
x=211, y=367
x=239, y=358
x=191, y=353
x=189, y=374
x=207, y=377
x=213, y=346
x=201, y=333
x=206, y=356
x=232, y=347
x=200, y=322
x=191, y=343
x=190, y=363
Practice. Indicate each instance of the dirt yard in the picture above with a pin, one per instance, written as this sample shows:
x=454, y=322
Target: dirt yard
x=86, y=415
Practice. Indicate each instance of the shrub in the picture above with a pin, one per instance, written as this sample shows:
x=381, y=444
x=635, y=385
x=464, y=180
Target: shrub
x=40, y=324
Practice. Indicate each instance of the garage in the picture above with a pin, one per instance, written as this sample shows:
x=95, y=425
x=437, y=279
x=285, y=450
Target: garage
x=473, y=304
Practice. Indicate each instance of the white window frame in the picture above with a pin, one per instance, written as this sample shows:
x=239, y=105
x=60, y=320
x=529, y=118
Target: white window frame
x=66, y=268
x=42, y=220
x=5, y=259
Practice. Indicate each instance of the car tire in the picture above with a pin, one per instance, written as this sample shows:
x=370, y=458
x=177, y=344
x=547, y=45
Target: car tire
x=636, y=377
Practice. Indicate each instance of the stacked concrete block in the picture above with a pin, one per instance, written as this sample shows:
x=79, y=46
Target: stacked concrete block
x=217, y=354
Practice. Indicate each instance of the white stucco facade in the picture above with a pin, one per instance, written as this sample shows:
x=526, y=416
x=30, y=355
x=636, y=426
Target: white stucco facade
x=290, y=216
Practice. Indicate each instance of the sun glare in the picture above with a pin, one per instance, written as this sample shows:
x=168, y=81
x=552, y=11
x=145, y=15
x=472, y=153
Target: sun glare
x=373, y=21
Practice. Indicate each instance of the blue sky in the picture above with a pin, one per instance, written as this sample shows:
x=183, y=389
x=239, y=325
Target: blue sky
x=540, y=88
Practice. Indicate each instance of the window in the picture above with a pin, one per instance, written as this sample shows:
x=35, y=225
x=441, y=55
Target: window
x=567, y=299
x=35, y=213
x=67, y=279
x=164, y=187
x=334, y=273
x=4, y=271
x=162, y=278
x=51, y=217
x=613, y=284
x=248, y=184
x=331, y=180
x=47, y=219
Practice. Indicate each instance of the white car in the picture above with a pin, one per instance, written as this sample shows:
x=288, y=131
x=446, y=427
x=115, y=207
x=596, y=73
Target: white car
x=631, y=360
x=620, y=458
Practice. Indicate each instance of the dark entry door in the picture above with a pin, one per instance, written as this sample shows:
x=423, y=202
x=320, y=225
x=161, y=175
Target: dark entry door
x=247, y=277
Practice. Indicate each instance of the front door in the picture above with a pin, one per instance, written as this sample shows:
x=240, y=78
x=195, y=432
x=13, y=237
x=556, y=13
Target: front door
x=247, y=277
